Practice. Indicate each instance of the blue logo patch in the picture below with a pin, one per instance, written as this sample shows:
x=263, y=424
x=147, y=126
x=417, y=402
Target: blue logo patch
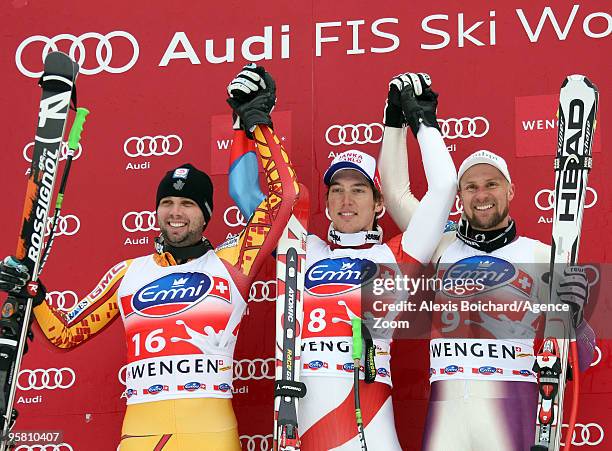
x=171, y=294
x=153, y=389
x=192, y=386
x=315, y=365
x=350, y=366
x=451, y=369
x=338, y=275
x=224, y=387
x=481, y=270
x=382, y=372
x=487, y=370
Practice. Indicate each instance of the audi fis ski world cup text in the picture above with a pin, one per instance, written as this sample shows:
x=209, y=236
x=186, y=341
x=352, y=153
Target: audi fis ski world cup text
x=437, y=31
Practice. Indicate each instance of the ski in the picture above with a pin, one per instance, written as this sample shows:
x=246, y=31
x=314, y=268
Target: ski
x=578, y=101
x=290, y=271
x=57, y=83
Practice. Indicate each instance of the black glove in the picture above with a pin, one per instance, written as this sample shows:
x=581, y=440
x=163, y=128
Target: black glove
x=393, y=115
x=15, y=280
x=418, y=101
x=245, y=87
x=254, y=111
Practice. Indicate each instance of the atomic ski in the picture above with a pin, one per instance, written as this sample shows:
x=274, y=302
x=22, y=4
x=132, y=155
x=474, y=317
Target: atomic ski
x=577, y=111
x=290, y=270
x=57, y=83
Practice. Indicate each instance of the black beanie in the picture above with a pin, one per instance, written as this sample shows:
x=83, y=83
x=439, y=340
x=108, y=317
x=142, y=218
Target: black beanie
x=188, y=181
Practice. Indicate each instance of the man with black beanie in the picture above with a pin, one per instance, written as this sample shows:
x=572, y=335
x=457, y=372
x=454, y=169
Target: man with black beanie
x=184, y=203
x=182, y=306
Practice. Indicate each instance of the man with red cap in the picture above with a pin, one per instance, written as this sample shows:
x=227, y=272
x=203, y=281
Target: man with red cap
x=182, y=306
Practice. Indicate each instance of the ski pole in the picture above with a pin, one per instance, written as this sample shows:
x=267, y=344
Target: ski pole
x=357, y=350
x=73, y=144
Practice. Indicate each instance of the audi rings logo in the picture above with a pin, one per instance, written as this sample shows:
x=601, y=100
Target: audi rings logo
x=139, y=221
x=46, y=378
x=545, y=199
x=29, y=149
x=457, y=209
x=590, y=434
x=349, y=134
x=233, y=218
x=263, y=290
x=66, y=225
x=257, y=442
x=147, y=146
x=47, y=447
x=255, y=369
x=62, y=300
x=103, y=53
x=465, y=127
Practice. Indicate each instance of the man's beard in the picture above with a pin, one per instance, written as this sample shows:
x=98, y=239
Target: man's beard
x=491, y=223
x=190, y=238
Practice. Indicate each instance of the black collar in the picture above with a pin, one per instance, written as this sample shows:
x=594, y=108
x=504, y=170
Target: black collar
x=183, y=254
x=486, y=240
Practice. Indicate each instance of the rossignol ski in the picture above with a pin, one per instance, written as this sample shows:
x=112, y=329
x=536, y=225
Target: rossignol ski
x=577, y=112
x=57, y=83
x=290, y=271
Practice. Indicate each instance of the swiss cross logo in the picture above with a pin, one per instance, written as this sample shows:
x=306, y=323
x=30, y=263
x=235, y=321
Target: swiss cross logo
x=221, y=289
x=523, y=282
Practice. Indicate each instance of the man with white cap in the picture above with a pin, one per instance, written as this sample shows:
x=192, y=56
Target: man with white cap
x=483, y=389
x=337, y=268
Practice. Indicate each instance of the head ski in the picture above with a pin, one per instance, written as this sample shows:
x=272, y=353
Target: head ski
x=577, y=111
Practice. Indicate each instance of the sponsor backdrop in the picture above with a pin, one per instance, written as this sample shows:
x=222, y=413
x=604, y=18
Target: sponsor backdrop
x=154, y=76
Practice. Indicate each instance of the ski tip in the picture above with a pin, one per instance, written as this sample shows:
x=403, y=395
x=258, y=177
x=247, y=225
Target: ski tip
x=582, y=78
x=590, y=84
x=572, y=78
x=58, y=63
x=56, y=56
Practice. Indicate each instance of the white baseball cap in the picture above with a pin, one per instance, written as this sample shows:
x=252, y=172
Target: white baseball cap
x=484, y=157
x=356, y=160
